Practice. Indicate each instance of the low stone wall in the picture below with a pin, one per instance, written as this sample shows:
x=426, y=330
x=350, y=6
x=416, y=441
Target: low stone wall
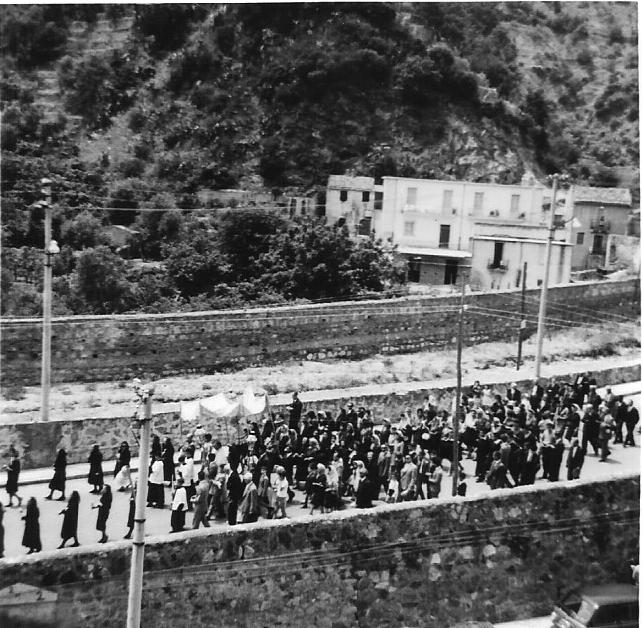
x=91, y=348
x=39, y=442
x=495, y=558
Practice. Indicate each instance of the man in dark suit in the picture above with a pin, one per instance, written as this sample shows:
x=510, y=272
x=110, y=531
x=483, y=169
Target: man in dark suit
x=536, y=396
x=295, y=409
x=574, y=460
x=513, y=394
x=631, y=419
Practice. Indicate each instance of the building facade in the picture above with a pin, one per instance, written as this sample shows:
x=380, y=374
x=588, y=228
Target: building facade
x=355, y=202
x=598, y=212
x=440, y=227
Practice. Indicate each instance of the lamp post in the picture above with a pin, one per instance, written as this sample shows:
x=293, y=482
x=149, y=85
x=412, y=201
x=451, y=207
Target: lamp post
x=138, y=550
x=557, y=178
x=50, y=249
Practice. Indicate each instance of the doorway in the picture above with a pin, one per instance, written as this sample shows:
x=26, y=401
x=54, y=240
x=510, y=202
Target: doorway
x=450, y=276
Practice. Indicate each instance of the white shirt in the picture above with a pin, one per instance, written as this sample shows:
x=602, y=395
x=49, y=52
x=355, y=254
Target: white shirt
x=281, y=487
x=157, y=476
x=187, y=470
x=221, y=456
x=180, y=497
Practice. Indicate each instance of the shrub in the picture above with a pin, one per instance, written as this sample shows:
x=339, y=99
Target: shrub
x=133, y=167
x=15, y=392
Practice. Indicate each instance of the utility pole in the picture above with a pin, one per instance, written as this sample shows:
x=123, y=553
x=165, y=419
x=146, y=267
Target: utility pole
x=522, y=322
x=457, y=413
x=542, y=302
x=45, y=377
x=138, y=545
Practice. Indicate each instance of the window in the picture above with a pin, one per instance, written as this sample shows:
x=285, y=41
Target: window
x=444, y=236
x=519, y=277
x=411, y=196
x=365, y=197
x=478, y=202
x=447, y=202
x=514, y=204
x=343, y=196
x=378, y=201
x=498, y=254
x=598, y=244
x=580, y=237
x=409, y=228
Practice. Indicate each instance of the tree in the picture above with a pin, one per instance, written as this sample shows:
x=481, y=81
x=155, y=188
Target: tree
x=83, y=231
x=245, y=236
x=101, y=281
x=194, y=265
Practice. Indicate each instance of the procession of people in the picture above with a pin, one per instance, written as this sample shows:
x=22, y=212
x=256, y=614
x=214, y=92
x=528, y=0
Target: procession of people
x=330, y=461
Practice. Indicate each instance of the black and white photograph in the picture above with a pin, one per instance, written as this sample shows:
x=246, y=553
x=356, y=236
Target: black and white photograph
x=320, y=315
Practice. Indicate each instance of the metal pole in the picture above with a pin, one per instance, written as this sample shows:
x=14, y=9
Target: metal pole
x=542, y=302
x=522, y=322
x=457, y=413
x=45, y=376
x=138, y=546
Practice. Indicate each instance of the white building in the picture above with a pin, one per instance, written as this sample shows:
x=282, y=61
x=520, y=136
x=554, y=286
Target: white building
x=439, y=226
x=354, y=201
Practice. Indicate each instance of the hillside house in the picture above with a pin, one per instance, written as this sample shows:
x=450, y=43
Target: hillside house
x=439, y=226
x=598, y=212
x=356, y=202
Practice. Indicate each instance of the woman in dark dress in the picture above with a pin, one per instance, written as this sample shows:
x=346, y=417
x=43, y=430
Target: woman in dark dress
x=31, y=537
x=103, y=512
x=157, y=449
x=123, y=457
x=13, y=473
x=70, y=521
x=168, y=462
x=132, y=513
x=1, y=531
x=60, y=476
x=319, y=484
x=95, y=470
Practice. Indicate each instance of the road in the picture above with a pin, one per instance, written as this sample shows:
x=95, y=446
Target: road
x=622, y=460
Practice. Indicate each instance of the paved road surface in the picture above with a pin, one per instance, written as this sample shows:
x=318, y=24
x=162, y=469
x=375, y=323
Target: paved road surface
x=624, y=460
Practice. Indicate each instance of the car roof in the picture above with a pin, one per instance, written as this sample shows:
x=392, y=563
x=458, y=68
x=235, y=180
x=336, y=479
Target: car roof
x=611, y=593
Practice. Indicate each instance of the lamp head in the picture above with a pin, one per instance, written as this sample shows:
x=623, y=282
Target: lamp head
x=53, y=248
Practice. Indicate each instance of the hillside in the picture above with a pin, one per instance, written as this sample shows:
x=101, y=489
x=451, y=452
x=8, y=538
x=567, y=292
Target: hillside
x=143, y=106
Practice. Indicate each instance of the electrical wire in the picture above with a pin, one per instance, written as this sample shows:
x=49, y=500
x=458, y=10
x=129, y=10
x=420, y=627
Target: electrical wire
x=324, y=559
x=568, y=308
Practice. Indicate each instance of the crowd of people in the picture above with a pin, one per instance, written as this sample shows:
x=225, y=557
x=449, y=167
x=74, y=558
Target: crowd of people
x=348, y=458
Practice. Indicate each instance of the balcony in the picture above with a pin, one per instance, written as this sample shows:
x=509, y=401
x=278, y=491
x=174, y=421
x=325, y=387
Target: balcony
x=600, y=226
x=501, y=266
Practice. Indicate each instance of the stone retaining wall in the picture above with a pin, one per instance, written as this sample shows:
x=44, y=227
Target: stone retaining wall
x=39, y=442
x=495, y=558
x=93, y=348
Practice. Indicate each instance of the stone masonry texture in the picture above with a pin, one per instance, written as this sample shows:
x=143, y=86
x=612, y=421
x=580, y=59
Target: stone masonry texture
x=100, y=348
x=39, y=442
x=494, y=558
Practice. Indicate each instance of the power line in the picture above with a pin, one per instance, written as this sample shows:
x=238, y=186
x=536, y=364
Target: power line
x=315, y=559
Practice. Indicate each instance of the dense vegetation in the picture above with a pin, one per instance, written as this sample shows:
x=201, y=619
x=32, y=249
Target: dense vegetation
x=200, y=97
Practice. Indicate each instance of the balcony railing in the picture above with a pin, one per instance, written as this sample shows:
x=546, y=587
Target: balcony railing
x=500, y=266
x=600, y=225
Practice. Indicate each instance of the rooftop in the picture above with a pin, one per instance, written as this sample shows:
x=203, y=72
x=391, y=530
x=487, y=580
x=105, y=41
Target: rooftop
x=345, y=182
x=606, y=196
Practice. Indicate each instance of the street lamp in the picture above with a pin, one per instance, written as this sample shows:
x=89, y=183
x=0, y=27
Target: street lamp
x=144, y=394
x=557, y=178
x=50, y=249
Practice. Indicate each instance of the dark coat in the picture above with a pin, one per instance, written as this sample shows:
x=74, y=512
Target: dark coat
x=31, y=536
x=95, y=468
x=70, y=521
x=13, y=472
x=574, y=462
x=59, y=478
x=103, y=512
